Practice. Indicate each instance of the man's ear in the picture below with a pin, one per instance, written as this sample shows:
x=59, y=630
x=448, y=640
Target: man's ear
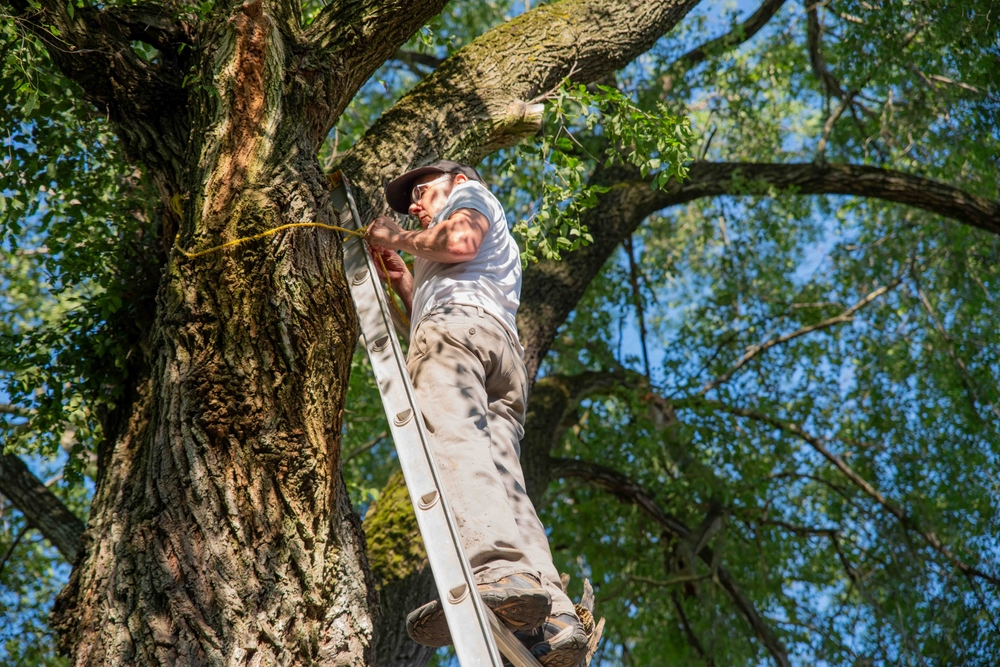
x=460, y=178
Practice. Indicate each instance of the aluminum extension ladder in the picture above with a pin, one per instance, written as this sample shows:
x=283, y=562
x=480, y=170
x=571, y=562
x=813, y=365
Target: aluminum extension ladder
x=475, y=629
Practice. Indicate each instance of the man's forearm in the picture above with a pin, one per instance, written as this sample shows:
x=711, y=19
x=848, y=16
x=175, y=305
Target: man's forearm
x=438, y=244
x=404, y=288
x=450, y=241
x=456, y=239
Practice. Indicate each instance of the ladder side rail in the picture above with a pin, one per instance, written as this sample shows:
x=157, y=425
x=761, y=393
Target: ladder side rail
x=463, y=608
x=510, y=645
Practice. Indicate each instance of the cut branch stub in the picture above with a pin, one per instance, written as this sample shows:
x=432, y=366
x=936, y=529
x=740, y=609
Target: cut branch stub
x=517, y=122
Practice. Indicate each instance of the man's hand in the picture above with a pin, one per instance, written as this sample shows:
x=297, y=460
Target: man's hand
x=396, y=272
x=384, y=232
x=394, y=265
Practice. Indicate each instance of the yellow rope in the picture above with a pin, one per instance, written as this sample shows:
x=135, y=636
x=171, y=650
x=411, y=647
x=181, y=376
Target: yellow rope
x=392, y=295
x=246, y=239
x=360, y=233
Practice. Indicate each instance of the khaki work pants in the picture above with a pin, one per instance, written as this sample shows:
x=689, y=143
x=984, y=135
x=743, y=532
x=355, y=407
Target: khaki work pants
x=471, y=387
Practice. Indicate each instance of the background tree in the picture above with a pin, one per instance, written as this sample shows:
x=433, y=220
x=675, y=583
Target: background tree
x=782, y=363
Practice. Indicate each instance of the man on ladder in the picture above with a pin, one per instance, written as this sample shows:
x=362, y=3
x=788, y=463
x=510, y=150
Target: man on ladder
x=465, y=363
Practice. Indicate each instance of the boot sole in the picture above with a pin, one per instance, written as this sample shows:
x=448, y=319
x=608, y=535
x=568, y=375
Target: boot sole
x=519, y=610
x=565, y=656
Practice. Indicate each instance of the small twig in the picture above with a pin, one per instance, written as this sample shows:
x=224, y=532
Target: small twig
x=29, y=252
x=670, y=582
x=13, y=545
x=799, y=530
x=544, y=97
x=967, y=378
x=689, y=633
x=357, y=451
x=952, y=82
x=740, y=34
x=828, y=126
x=986, y=608
x=754, y=350
x=848, y=568
x=637, y=299
x=8, y=409
x=815, y=304
x=563, y=128
x=708, y=141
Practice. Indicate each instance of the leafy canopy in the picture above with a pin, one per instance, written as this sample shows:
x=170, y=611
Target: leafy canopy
x=904, y=390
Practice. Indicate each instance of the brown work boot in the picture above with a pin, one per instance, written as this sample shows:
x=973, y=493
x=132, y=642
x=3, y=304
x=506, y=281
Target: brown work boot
x=561, y=641
x=519, y=601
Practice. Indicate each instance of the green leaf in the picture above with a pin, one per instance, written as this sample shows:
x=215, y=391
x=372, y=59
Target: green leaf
x=30, y=104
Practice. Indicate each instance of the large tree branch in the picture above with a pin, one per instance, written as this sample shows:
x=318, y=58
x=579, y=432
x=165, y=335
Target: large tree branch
x=146, y=101
x=348, y=41
x=629, y=491
x=476, y=101
x=708, y=179
x=551, y=290
x=554, y=398
x=814, y=42
x=41, y=508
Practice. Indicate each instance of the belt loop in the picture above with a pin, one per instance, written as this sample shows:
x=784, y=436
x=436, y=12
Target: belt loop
x=479, y=309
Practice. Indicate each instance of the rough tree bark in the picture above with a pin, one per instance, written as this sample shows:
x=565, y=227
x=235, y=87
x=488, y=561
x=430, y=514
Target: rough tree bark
x=221, y=531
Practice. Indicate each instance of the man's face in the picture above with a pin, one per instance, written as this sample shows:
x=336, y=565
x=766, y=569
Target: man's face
x=433, y=193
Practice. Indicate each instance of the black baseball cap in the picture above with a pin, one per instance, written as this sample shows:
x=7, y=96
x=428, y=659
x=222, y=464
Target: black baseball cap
x=397, y=193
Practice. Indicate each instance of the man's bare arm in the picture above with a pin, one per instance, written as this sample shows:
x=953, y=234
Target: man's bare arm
x=451, y=241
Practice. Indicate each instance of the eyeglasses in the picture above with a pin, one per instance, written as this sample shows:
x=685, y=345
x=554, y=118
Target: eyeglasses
x=416, y=193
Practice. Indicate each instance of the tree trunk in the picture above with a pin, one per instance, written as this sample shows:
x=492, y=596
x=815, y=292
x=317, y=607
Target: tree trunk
x=405, y=582
x=221, y=531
